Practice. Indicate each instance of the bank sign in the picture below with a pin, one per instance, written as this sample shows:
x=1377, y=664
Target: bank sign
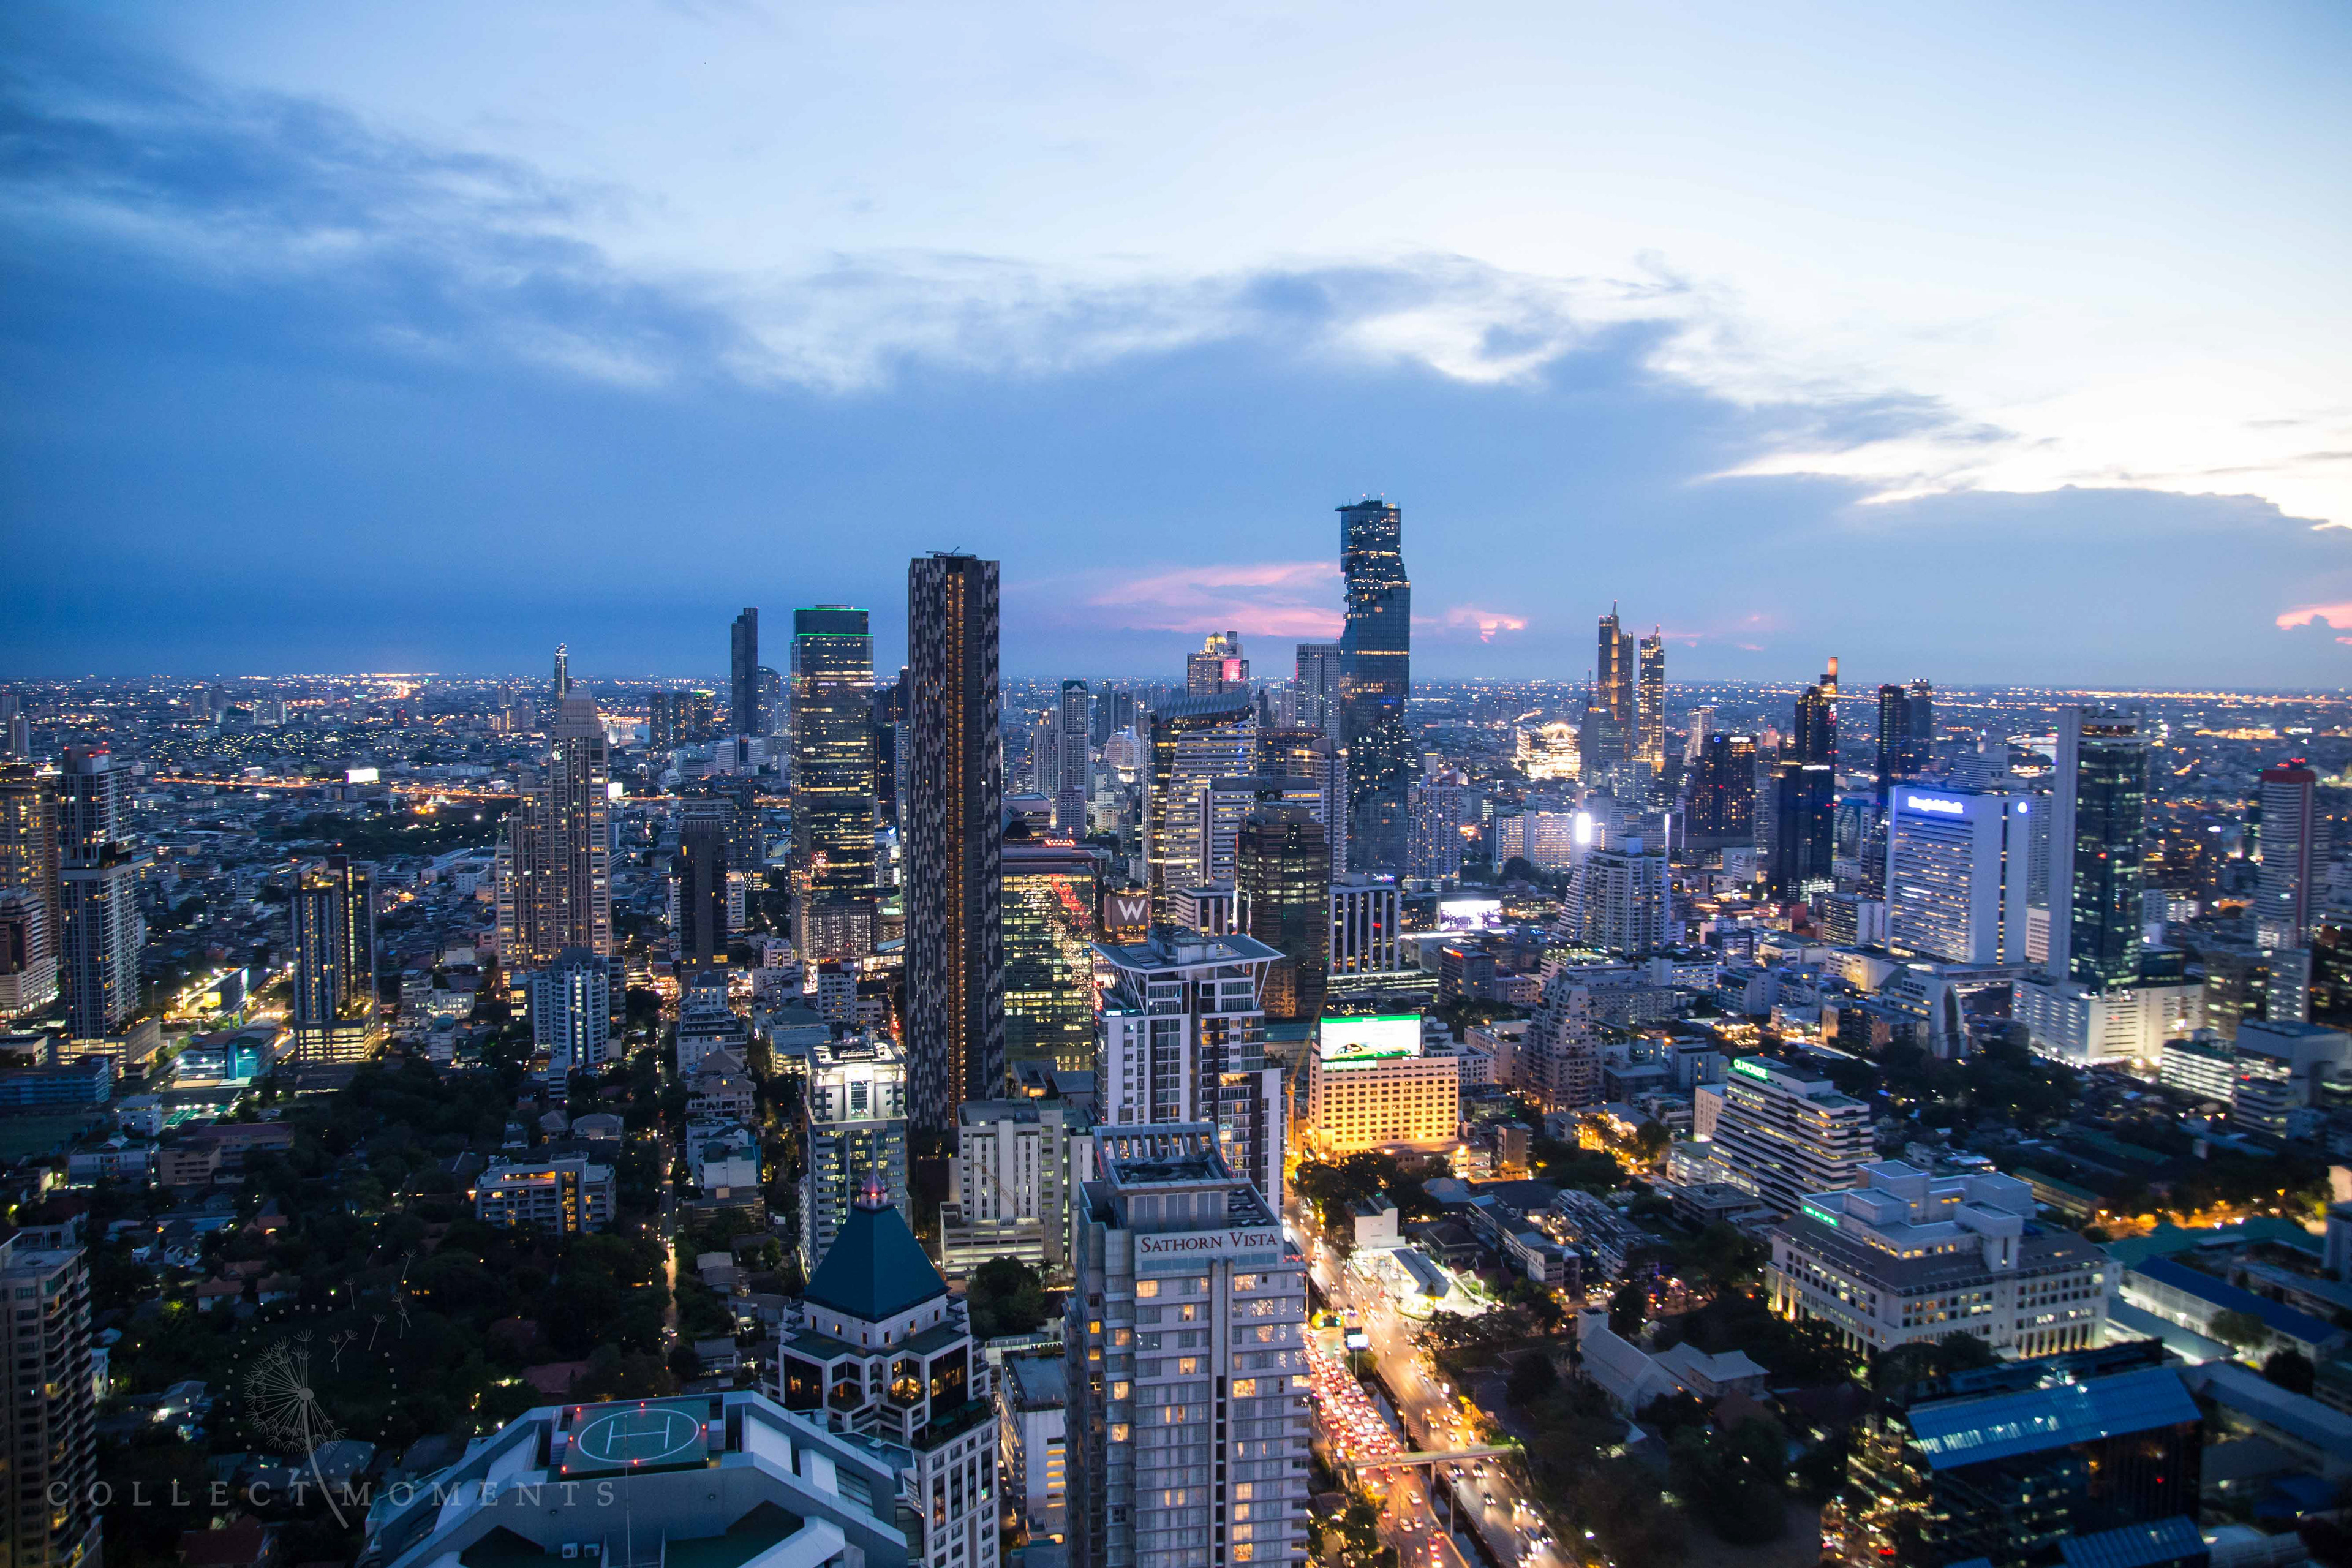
x=1157, y=1254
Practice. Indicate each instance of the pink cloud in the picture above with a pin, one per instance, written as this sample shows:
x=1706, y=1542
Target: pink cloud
x=2337, y=615
x=1485, y=621
x=1264, y=598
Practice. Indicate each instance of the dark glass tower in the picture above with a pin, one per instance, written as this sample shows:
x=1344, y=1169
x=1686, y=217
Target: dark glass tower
x=701, y=871
x=1375, y=682
x=1610, y=720
x=1050, y=894
x=743, y=674
x=1816, y=730
x=1281, y=870
x=1893, y=736
x=1722, y=789
x=1651, y=701
x=1804, y=803
x=332, y=913
x=954, y=809
x=832, y=781
x=2100, y=812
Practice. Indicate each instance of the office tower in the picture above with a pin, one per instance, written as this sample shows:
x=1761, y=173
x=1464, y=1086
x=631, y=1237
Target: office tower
x=20, y=736
x=1611, y=717
x=1072, y=721
x=571, y=1011
x=698, y=925
x=50, y=1449
x=1895, y=760
x=833, y=810
x=1282, y=873
x=1315, y=688
x=1868, y=1259
x=1780, y=1135
x=1804, y=797
x=853, y=1133
x=887, y=721
x=1185, y=1359
x=774, y=700
x=2098, y=807
x=560, y=687
x=1219, y=667
x=558, y=851
x=1815, y=738
x=2094, y=1457
x=1193, y=740
x=662, y=713
x=880, y=1349
x=1922, y=707
x=1050, y=894
x=1621, y=903
x=1301, y=753
x=1559, y=1056
x=99, y=871
x=333, y=912
x=1011, y=1185
x=1433, y=849
x=1723, y=791
x=743, y=674
x=1956, y=875
x=28, y=963
x=1180, y=1037
x=700, y=721
x=954, y=839
x=1226, y=803
x=1375, y=684
x=28, y=855
x=1702, y=726
x=2289, y=842
x=1651, y=701
x=1369, y=1086
x=1367, y=916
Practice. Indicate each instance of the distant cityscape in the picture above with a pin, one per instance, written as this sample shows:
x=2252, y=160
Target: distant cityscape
x=840, y=1110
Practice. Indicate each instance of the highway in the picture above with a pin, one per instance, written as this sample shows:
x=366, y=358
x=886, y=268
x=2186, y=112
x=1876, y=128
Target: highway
x=1507, y=1523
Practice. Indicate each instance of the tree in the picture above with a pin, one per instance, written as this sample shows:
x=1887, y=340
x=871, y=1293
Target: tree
x=1724, y=1258
x=1629, y=1309
x=2290, y=1370
x=1906, y=1364
x=1006, y=1297
x=2242, y=1331
x=1532, y=1379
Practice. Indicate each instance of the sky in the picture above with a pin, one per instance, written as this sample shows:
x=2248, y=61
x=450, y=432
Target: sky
x=1998, y=343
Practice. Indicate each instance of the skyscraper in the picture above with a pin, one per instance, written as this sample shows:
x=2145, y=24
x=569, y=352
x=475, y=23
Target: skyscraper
x=2098, y=807
x=1072, y=721
x=1804, y=800
x=49, y=1451
x=1315, y=687
x=698, y=926
x=1815, y=739
x=955, y=803
x=1050, y=894
x=852, y=1131
x=1956, y=867
x=558, y=851
x=571, y=1011
x=832, y=782
x=1651, y=701
x=98, y=870
x=1723, y=791
x=28, y=855
x=1218, y=667
x=1609, y=723
x=1922, y=756
x=1375, y=683
x=1895, y=758
x=332, y=914
x=1282, y=872
x=560, y=687
x=2288, y=837
x=743, y=674
x=1194, y=739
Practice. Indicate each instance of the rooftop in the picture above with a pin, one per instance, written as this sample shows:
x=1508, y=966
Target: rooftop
x=2279, y=1318
x=1955, y=1432
x=876, y=1268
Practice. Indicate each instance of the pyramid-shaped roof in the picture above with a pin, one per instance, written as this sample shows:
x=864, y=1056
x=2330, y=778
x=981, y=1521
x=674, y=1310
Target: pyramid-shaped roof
x=876, y=1268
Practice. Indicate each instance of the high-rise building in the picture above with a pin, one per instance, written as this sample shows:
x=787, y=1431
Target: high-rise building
x=1302, y=754
x=1227, y=803
x=1073, y=776
x=1895, y=760
x=833, y=810
x=1186, y=1364
x=333, y=912
x=1180, y=1037
x=888, y=721
x=28, y=964
x=1315, y=689
x=1780, y=1135
x=1804, y=800
x=99, y=868
x=1723, y=791
x=1956, y=875
x=1559, y=1056
x=1281, y=870
x=1620, y=902
x=1194, y=739
x=2289, y=841
x=743, y=675
x=1434, y=849
x=1815, y=737
x=1367, y=929
x=1050, y=894
x=571, y=1011
x=50, y=1449
x=954, y=839
x=698, y=926
x=2099, y=806
x=853, y=1130
x=2094, y=1456
x=29, y=861
x=1219, y=667
x=1375, y=684
x=1651, y=701
x=560, y=687
x=1612, y=719
x=559, y=847
x=1922, y=707
x=1011, y=1185
x=1372, y=1089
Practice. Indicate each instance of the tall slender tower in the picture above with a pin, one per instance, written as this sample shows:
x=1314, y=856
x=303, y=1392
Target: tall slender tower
x=559, y=848
x=1375, y=683
x=1652, y=702
x=561, y=687
x=1315, y=687
x=743, y=674
x=2289, y=839
x=1611, y=717
x=698, y=926
x=1193, y=740
x=1815, y=739
x=99, y=875
x=832, y=782
x=28, y=851
x=1072, y=724
x=1894, y=737
x=1282, y=872
x=954, y=807
x=333, y=912
x=2099, y=806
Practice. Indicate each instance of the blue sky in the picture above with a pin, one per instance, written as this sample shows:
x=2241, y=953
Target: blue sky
x=2009, y=345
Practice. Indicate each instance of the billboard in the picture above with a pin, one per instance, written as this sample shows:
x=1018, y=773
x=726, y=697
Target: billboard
x=1125, y=917
x=1469, y=914
x=1381, y=1038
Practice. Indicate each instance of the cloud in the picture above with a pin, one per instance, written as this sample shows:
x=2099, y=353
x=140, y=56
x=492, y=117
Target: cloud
x=1485, y=621
x=2338, y=616
x=1282, y=599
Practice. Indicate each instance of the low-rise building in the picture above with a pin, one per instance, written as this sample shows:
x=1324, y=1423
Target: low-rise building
x=564, y=1197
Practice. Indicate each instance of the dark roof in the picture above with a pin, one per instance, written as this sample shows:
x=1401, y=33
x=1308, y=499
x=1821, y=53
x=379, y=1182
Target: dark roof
x=2278, y=1319
x=1955, y=1432
x=876, y=1269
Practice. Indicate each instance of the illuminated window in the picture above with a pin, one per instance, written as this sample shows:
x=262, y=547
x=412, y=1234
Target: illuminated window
x=1244, y=1388
x=1144, y=1289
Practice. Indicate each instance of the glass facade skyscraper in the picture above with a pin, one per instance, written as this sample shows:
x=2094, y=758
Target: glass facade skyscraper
x=1281, y=870
x=1610, y=720
x=2099, y=813
x=1375, y=683
x=743, y=674
x=832, y=782
x=1050, y=894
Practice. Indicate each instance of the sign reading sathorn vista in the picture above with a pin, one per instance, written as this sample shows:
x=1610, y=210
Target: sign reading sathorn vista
x=1184, y=1244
